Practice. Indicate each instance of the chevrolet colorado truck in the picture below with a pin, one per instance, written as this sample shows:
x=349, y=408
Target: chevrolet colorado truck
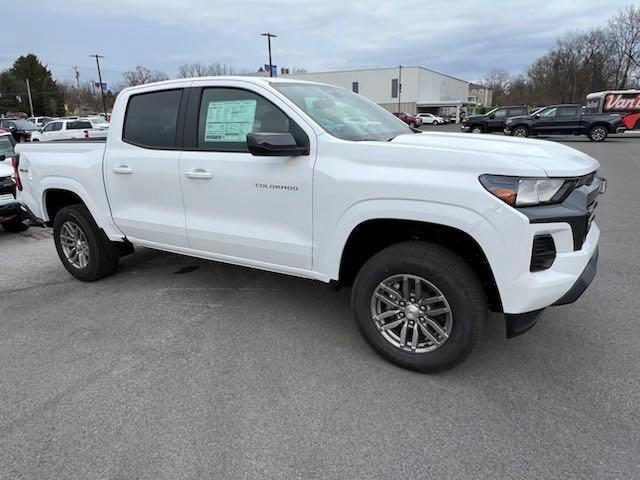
x=431, y=230
x=565, y=120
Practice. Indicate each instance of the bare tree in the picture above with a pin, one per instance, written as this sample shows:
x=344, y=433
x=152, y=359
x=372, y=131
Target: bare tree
x=624, y=34
x=201, y=70
x=498, y=80
x=143, y=75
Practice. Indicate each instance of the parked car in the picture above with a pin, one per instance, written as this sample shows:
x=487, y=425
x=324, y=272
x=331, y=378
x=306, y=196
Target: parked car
x=430, y=119
x=431, y=229
x=68, y=130
x=567, y=119
x=20, y=129
x=97, y=122
x=40, y=121
x=11, y=216
x=492, y=121
x=411, y=120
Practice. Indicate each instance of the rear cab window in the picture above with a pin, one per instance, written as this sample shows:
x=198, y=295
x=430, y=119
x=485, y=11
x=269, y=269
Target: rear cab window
x=151, y=119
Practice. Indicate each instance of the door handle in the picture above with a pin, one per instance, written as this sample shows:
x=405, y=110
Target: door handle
x=123, y=169
x=199, y=174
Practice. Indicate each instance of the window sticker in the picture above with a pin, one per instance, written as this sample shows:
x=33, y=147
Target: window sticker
x=229, y=121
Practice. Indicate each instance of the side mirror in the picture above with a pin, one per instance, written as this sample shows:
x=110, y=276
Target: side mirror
x=12, y=129
x=492, y=116
x=274, y=145
x=537, y=115
x=3, y=158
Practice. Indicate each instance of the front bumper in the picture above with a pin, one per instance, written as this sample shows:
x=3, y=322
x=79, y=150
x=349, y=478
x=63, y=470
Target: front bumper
x=465, y=128
x=519, y=323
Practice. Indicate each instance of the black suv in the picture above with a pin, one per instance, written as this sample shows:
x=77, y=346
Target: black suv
x=20, y=129
x=566, y=120
x=492, y=121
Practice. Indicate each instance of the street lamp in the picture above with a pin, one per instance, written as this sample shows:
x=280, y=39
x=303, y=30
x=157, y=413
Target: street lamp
x=269, y=35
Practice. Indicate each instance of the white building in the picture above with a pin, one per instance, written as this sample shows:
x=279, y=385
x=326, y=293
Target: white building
x=401, y=89
x=480, y=94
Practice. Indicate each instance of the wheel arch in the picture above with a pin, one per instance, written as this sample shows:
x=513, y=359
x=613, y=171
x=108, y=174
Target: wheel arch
x=366, y=239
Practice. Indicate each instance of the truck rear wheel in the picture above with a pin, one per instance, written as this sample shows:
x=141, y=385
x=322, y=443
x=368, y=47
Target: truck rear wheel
x=598, y=133
x=419, y=305
x=83, y=248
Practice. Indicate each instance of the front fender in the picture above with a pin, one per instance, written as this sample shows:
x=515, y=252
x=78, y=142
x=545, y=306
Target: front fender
x=329, y=257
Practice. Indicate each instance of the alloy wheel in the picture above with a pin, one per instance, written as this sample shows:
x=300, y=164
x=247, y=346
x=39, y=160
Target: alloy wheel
x=74, y=245
x=411, y=313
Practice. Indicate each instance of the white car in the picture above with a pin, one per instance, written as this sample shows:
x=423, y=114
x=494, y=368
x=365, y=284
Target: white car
x=430, y=119
x=41, y=121
x=430, y=229
x=69, y=130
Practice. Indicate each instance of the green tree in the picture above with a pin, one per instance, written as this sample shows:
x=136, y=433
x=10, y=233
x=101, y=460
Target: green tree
x=47, y=96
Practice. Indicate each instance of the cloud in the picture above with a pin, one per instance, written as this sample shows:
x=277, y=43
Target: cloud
x=462, y=38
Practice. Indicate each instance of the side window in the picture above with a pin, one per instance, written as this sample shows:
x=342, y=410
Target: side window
x=53, y=127
x=500, y=113
x=79, y=125
x=227, y=115
x=549, y=113
x=151, y=119
x=516, y=112
x=568, y=111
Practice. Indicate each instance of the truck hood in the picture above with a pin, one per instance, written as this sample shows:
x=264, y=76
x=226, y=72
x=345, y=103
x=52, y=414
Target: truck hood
x=555, y=159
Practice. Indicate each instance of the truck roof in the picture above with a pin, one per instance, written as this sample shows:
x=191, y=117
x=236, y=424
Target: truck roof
x=248, y=79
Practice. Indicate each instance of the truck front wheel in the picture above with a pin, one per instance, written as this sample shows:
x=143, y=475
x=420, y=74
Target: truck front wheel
x=419, y=305
x=83, y=248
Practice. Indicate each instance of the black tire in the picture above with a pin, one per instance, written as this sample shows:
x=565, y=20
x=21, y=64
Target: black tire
x=520, y=131
x=598, y=133
x=446, y=271
x=14, y=226
x=103, y=256
x=476, y=129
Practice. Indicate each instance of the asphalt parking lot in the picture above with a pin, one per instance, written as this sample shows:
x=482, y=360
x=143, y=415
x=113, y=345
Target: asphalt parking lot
x=186, y=369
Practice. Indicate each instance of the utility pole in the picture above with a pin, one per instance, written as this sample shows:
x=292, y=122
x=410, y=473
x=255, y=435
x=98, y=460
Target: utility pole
x=30, y=100
x=77, y=75
x=399, y=85
x=269, y=35
x=104, y=105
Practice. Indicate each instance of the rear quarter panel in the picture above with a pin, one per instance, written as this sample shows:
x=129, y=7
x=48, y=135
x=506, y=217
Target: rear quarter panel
x=75, y=167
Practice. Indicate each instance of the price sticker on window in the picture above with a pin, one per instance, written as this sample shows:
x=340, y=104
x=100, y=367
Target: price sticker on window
x=229, y=121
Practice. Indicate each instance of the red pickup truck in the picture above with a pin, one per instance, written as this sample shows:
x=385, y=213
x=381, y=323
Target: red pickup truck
x=410, y=120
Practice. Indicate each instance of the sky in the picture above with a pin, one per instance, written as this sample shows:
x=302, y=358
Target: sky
x=463, y=38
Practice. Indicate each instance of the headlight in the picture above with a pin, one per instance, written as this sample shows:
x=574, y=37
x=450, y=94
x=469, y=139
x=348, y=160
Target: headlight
x=523, y=192
x=509, y=121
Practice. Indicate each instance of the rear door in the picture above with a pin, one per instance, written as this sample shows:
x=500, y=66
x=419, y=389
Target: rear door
x=569, y=120
x=141, y=167
x=240, y=207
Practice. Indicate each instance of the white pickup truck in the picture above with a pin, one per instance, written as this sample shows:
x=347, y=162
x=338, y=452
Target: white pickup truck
x=432, y=230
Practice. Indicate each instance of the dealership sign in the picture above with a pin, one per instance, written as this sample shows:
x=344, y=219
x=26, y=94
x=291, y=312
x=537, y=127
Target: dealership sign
x=621, y=102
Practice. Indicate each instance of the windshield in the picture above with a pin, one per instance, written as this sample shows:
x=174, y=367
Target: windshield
x=342, y=113
x=6, y=146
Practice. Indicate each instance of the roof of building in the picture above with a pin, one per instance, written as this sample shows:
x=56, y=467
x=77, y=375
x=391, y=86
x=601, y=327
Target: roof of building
x=380, y=68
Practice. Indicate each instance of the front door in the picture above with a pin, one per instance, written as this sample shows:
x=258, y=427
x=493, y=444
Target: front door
x=240, y=207
x=141, y=169
x=495, y=123
x=547, y=123
x=569, y=119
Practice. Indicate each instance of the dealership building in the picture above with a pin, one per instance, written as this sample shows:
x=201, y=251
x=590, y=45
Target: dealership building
x=401, y=89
